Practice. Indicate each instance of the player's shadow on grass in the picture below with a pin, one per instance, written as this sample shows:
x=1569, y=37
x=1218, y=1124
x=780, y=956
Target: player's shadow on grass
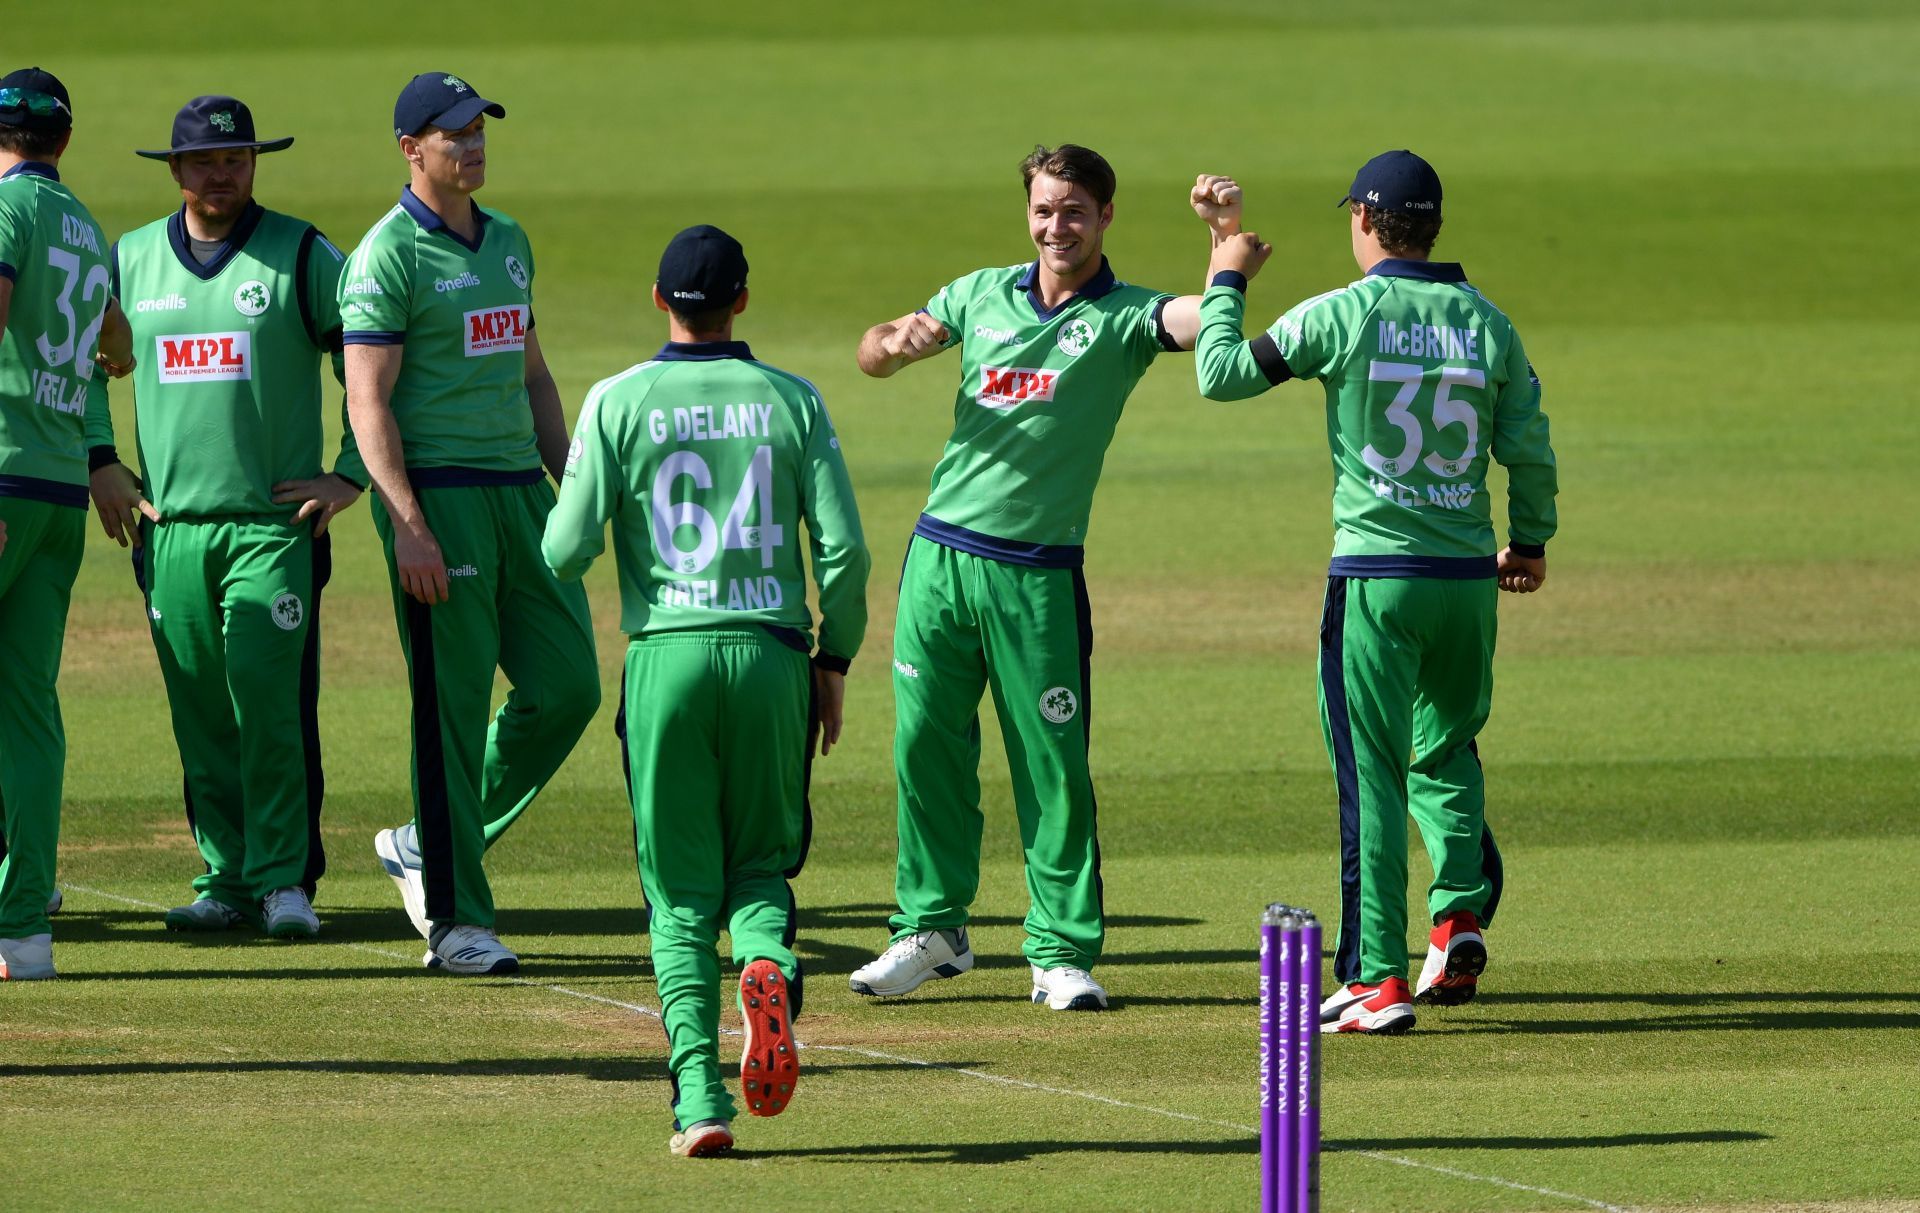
x=1707, y=998
x=1391, y=1145
x=874, y=914
x=1708, y=1021
x=988, y=1153
x=599, y=1069
x=1115, y=1002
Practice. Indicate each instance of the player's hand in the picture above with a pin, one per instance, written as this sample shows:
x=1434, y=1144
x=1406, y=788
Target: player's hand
x=115, y=370
x=1520, y=574
x=423, y=570
x=830, y=697
x=3, y=535
x=1216, y=199
x=914, y=338
x=116, y=495
x=1243, y=254
x=319, y=498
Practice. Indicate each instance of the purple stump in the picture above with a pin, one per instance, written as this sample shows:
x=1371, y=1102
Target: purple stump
x=1306, y=1143
x=1272, y=1010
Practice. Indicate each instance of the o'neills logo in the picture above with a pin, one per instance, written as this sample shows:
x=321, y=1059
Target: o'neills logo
x=203, y=357
x=172, y=302
x=496, y=330
x=1003, y=387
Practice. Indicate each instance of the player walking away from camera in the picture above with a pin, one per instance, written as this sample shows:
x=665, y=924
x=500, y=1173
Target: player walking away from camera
x=233, y=311
x=992, y=595
x=55, y=312
x=455, y=413
x=707, y=461
x=1424, y=380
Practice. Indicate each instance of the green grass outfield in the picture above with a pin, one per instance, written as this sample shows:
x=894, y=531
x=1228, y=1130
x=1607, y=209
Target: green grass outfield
x=1706, y=739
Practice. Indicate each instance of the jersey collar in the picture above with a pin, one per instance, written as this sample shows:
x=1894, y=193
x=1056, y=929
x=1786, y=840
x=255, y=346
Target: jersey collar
x=702, y=351
x=1096, y=286
x=1424, y=271
x=229, y=248
x=33, y=168
x=424, y=216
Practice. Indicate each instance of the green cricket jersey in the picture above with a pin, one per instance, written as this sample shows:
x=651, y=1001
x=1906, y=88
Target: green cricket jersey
x=463, y=312
x=53, y=251
x=1040, y=394
x=228, y=383
x=707, y=460
x=1425, y=380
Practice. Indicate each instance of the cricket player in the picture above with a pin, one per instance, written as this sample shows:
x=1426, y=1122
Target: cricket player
x=707, y=461
x=455, y=414
x=992, y=595
x=1425, y=380
x=56, y=313
x=233, y=311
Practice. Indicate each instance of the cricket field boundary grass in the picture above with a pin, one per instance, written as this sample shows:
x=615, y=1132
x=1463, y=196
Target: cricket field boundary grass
x=1705, y=746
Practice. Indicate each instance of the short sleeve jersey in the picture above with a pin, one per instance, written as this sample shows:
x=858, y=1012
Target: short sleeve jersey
x=462, y=311
x=1425, y=380
x=56, y=257
x=707, y=461
x=1040, y=395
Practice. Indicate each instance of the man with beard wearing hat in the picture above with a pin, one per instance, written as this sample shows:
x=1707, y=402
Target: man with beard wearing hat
x=233, y=313
x=55, y=311
x=455, y=414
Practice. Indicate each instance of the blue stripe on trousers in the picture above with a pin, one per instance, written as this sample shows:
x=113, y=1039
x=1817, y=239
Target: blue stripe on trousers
x=1333, y=686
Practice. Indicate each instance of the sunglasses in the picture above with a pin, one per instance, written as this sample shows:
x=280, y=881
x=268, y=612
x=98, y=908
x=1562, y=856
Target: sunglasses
x=33, y=101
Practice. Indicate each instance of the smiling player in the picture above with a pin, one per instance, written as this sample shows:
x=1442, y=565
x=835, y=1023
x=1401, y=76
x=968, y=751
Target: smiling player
x=992, y=595
x=233, y=313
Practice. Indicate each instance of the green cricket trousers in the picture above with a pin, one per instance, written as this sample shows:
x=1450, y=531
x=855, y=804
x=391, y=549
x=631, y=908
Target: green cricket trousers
x=234, y=607
x=1406, y=682
x=475, y=770
x=717, y=726
x=968, y=624
x=37, y=568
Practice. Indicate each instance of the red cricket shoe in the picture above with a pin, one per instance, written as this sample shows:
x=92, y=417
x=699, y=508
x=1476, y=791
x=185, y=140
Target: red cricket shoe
x=1384, y=1009
x=770, y=1062
x=1456, y=956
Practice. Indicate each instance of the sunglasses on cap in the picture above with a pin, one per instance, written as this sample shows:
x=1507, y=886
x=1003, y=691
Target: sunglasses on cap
x=33, y=101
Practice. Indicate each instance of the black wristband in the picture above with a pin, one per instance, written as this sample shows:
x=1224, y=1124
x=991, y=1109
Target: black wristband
x=101, y=456
x=1529, y=551
x=824, y=660
x=1232, y=278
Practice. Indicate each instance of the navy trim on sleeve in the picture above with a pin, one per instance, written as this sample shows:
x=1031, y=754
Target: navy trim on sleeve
x=8, y=272
x=374, y=337
x=824, y=660
x=1532, y=551
x=53, y=492
x=102, y=456
x=1232, y=278
x=302, y=263
x=1160, y=329
x=452, y=477
x=1267, y=356
x=1437, y=568
x=350, y=480
x=1006, y=551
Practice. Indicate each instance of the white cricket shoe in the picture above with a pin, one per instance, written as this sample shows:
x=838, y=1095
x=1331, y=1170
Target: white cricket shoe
x=207, y=914
x=912, y=960
x=289, y=915
x=464, y=949
x=703, y=1140
x=1068, y=989
x=29, y=959
x=399, y=854
x=54, y=903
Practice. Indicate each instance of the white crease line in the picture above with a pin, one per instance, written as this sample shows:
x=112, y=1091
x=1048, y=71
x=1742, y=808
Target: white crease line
x=981, y=1075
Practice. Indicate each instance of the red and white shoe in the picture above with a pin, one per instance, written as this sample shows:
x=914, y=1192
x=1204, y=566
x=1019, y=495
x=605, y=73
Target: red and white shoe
x=1456, y=956
x=770, y=1062
x=1384, y=1009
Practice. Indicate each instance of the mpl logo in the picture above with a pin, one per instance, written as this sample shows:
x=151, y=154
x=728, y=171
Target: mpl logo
x=496, y=330
x=204, y=357
x=1005, y=387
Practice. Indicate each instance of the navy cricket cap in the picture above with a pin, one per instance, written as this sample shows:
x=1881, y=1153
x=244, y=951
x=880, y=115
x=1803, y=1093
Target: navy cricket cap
x=207, y=124
x=1396, y=181
x=33, y=99
x=439, y=99
x=702, y=269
